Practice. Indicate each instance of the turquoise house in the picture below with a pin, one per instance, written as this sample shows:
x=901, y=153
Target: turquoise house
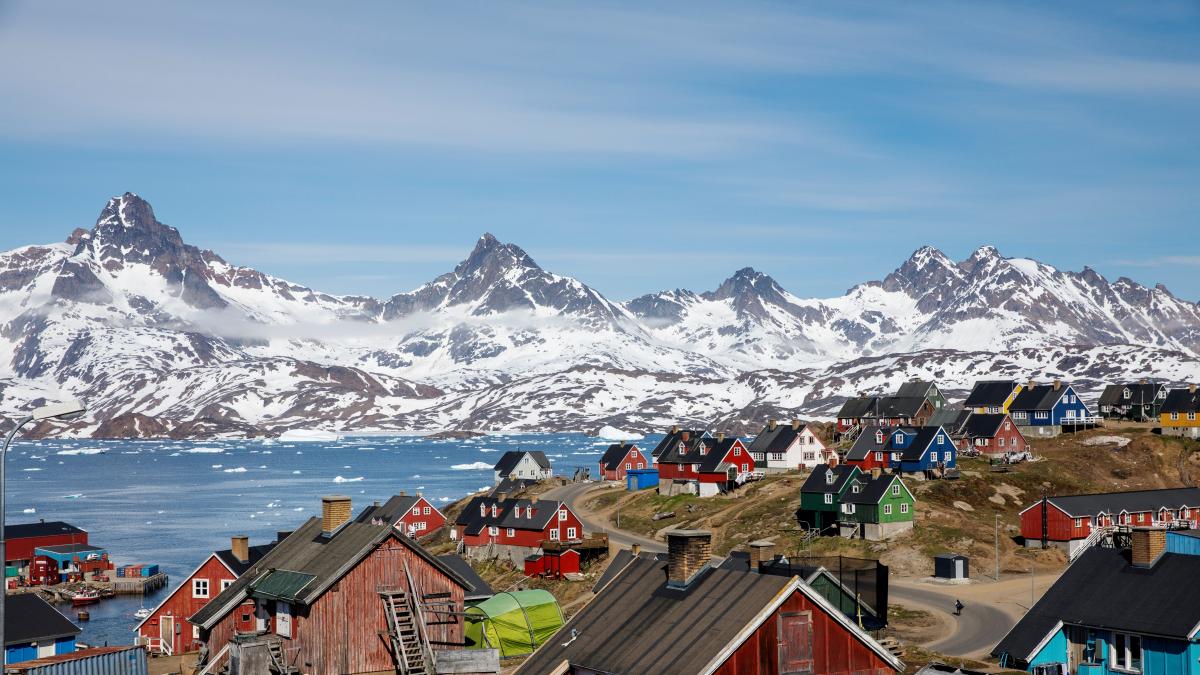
x=1115, y=612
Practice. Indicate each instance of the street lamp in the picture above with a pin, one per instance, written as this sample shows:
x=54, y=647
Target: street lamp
x=67, y=410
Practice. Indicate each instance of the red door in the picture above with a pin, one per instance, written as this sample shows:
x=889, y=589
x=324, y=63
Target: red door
x=795, y=643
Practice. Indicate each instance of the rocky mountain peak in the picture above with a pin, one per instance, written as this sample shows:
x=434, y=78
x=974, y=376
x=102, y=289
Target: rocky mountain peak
x=984, y=256
x=747, y=282
x=926, y=271
x=491, y=256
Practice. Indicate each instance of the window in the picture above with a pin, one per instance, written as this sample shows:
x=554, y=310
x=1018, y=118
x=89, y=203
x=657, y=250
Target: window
x=528, y=511
x=895, y=457
x=737, y=452
x=887, y=509
x=226, y=583
x=948, y=456
x=1174, y=416
x=745, y=468
x=1019, y=415
x=570, y=533
x=1078, y=523
x=879, y=437
x=1007, y=426
x=1192, y=416
x=416, y=510
x=493, y=530
x=828, y=499
x=879, y=457
x=628, y=466
x=418, y=526
x=830, y=477
x=810, y=456
x=941, y=439
x=1183, y=513
x=482, y=510
x=199, y=588
x=512, y=532
x=493, y=510
x=1127, y=393
x=856, y=488
x=695, y=467
x=904, y=508
x=1002, y=441
x=195, y=631
x=1127, y=653
x=562, y=514
x=554, y=534
x=895, y=489
x=848, y=508
x=427, y=510
x=1042, y=414
x=641, y=465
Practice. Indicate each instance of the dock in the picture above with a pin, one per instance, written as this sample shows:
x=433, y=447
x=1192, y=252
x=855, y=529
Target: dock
x=138, y=585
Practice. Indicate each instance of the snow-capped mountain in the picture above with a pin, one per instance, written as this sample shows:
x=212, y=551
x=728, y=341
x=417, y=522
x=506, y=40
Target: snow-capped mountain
x=162, y=338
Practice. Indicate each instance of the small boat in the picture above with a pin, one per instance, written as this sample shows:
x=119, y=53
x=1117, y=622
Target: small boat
x=86, y=597
x=142, y=613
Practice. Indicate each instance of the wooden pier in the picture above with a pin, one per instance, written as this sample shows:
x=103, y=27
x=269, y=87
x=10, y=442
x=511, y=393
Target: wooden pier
x=138, y=585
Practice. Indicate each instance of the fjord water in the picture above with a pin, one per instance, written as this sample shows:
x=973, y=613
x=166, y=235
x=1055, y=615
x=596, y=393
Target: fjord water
x=174, y=502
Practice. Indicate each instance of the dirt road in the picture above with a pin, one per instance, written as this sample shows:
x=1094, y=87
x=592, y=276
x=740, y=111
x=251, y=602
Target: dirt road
x=992, y=608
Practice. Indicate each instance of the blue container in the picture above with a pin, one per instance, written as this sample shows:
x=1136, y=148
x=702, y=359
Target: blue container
x=149, y=570
x=95, y=661
x=641, y=479
x=120, y=571
x=1185, y=542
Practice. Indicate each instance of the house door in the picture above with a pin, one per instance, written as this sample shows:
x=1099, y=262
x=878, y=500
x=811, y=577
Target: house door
x=796, y=643
x=283, y=619
x=166, y=632
x=958, y=569
x=262, y=618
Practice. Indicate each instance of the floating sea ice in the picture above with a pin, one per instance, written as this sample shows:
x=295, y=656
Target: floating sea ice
x=420, y=487
x=473, y=466
x=416, y=475
x=274, y=504
x=29, y=511
x=74, y=496
x=82, y=451
x=298, y=508
x=267, y=452
x=346, y=467
x=443, y=499
x=217, y=466
x=204, y=451
x=262, y=466
x=296, y=472
x=238, y=469
x=174, y=454
x=32, y=469
x=341, y=479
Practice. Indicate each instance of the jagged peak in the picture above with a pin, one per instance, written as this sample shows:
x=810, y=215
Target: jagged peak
x=746, y=282
x=985, y=252
x=127, y=210
x=491, y=252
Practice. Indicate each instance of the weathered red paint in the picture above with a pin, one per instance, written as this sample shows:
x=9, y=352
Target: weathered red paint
x=182, y=603
x=835, y=650
x=345, y=630
x=1061, y=526
x=21, y=548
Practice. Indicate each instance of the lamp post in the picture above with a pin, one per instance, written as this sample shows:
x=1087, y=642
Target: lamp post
x=53, y=411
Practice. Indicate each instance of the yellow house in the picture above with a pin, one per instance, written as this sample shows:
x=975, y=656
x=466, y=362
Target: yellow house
x=1180, y=413
x=992, y=396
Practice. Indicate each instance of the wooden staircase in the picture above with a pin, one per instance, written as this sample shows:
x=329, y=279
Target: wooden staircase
x=279, y=662
x=406, y=630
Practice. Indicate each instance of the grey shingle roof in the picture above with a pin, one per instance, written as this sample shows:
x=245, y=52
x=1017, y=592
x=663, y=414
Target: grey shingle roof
x=1038, y=397
x=672, y=439
x=1182, y=401
x=1133, y=501
x=915, y=389
x=873, y=490
x=857, y=407
x=39, y=529
x=614, y=454
x=1102, y=590
x=1114, y=394
x=28, y=618
x=990, y=393
x=777, y=439
x=508, y=461
x=307, y=551
x=866, y=443
x=639, y=625
x=985, y=425
x=816, y=484
x=509, y=513
x=239, y=568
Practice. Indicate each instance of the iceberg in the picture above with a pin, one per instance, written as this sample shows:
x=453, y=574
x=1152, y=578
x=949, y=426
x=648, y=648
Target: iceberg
x=342, y=479
x=239, y=469
x=309, y=436
x=611, y=433
x=473, y=466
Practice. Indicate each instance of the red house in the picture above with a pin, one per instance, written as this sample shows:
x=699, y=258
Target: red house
x=167, y=631
x=709, y=467
x=1069, y=520
x=991, y=434
x=323, y=601
x=513, y=528
x=619, y=458
x=412, y=515
x=552, y=564
x=21, y=540
x=699, y=619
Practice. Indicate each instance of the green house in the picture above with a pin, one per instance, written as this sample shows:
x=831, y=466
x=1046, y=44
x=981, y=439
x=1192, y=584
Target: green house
x=821, y=495
x=876, y=506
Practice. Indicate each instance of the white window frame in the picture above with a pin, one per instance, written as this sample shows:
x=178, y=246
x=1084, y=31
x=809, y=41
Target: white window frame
x=562, y=515
x=887, y=509
x=416, y=511
x=427, y=510
x=571, y=533
x=878, y=456
x=200, y=588
x=1122, y=659
x=896, y=490
x=511, y=532
x=554, y=534
x=904, y=507
x=1174, y=416
x=828, y=498
x=493, y=531
x=226, y=583
x=737, y=452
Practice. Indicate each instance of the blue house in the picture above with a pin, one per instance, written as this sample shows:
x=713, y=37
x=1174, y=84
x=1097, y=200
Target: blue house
x=1043, y=409
x=34, y=629
x=921, y=450
x=1115, y=611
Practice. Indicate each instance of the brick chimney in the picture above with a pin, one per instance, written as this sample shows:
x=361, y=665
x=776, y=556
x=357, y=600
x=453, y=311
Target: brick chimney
x=833, y=460
x=403, y=493
x=1030, y=384
x=876, y=472
x=795, y=425
x=761, y=551
x=1057, y=384
x=685, y=436
x=636, y=550
x=240, y=547
x=335, y=512
x=1149, y=543
x=771, y=424
x=1191, y=388
x=720, y=436
x=688, y=552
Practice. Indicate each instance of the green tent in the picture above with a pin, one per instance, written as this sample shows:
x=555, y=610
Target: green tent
x=515, y=622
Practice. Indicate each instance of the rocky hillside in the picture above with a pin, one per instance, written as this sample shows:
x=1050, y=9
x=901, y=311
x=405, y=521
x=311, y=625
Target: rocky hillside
x=161, y=337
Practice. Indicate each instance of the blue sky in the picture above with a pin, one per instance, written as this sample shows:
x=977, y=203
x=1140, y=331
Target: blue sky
x=363, y=148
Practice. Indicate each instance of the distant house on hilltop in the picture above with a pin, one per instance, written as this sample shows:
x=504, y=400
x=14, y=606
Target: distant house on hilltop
x=523, y=464
x=676, y=436
x=926, y=389
x=784, y=447
x=1140, y=402
x=706, y=468
x=1180, y=413
x=1043, y=409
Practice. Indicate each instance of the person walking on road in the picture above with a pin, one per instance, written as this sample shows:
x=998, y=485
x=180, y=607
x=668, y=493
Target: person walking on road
x=958, y=607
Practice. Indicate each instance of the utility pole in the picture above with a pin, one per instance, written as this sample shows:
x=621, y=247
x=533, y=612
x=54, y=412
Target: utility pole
x=997, y=546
